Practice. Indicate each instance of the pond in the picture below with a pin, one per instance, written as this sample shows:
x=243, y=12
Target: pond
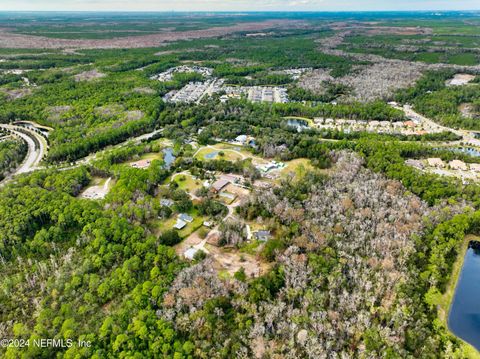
x=464, y=316
x=168, y=157
x=468, y=151
x=211, y=155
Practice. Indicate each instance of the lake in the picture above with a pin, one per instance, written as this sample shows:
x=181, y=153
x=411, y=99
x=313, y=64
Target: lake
x=464, y=316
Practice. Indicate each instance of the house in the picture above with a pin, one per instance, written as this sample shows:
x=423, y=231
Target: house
x=435, y=162
x=274, y=165
x=262, y=236
x=208, y=224
x=166, y=202
x=458, y=165
x=141, y=164
x=231, y=178
x=185, y=218
x=242, y=139
x=190, y=253
x=180, y=224
x=217, y=186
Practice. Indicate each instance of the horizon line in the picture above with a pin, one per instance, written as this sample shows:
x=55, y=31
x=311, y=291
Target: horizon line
x=236, y=11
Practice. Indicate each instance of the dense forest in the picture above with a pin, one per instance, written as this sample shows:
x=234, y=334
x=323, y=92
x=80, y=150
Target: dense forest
x=12, y=153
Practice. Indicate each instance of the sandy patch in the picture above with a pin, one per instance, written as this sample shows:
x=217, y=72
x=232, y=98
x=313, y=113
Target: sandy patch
x=460, y=79
x=97, y=191
x=468, y=110
x=230, y=260
x=89, y=75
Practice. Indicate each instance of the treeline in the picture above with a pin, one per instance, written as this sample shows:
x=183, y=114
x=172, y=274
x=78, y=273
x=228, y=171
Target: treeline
x=331, y=92
x=373, y=111
x=260, y=79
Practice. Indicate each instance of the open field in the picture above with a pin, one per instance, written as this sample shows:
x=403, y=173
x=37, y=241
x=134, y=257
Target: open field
x=218, y=152
x=298, y=167
x=186, y=182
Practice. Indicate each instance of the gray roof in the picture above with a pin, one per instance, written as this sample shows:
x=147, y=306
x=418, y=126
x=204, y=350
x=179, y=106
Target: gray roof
x=180, y=224
x=185, y=217
x=166, y=202
x=262, y=235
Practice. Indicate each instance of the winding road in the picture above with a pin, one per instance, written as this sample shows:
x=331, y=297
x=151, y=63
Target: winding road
x=468, y=137
x=35, y=152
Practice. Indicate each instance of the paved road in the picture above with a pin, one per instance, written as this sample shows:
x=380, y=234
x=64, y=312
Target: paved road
x=93, y=156
x=468, y=137
x=34, y=155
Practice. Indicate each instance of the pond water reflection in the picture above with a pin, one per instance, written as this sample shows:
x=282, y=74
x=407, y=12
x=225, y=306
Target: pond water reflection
x=464, y=316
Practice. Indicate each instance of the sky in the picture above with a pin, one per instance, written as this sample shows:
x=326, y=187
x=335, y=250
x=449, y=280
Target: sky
x=236, y=5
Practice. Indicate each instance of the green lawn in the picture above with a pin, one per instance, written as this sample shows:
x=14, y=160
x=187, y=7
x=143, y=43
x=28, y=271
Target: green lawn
x=187, y=183
x=160, y=226
x=222, y=153
x=298, y=166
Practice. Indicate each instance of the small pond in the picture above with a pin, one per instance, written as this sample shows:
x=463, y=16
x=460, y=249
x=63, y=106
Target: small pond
x=211, y=155
x=168, y=157
x=464, y=316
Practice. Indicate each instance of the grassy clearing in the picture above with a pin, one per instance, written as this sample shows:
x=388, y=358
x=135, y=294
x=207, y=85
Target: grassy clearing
x=160, y=226
x=299, y=167
x=186, y=182
x=251, y=247
x=463, y=59
x=217, y=153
